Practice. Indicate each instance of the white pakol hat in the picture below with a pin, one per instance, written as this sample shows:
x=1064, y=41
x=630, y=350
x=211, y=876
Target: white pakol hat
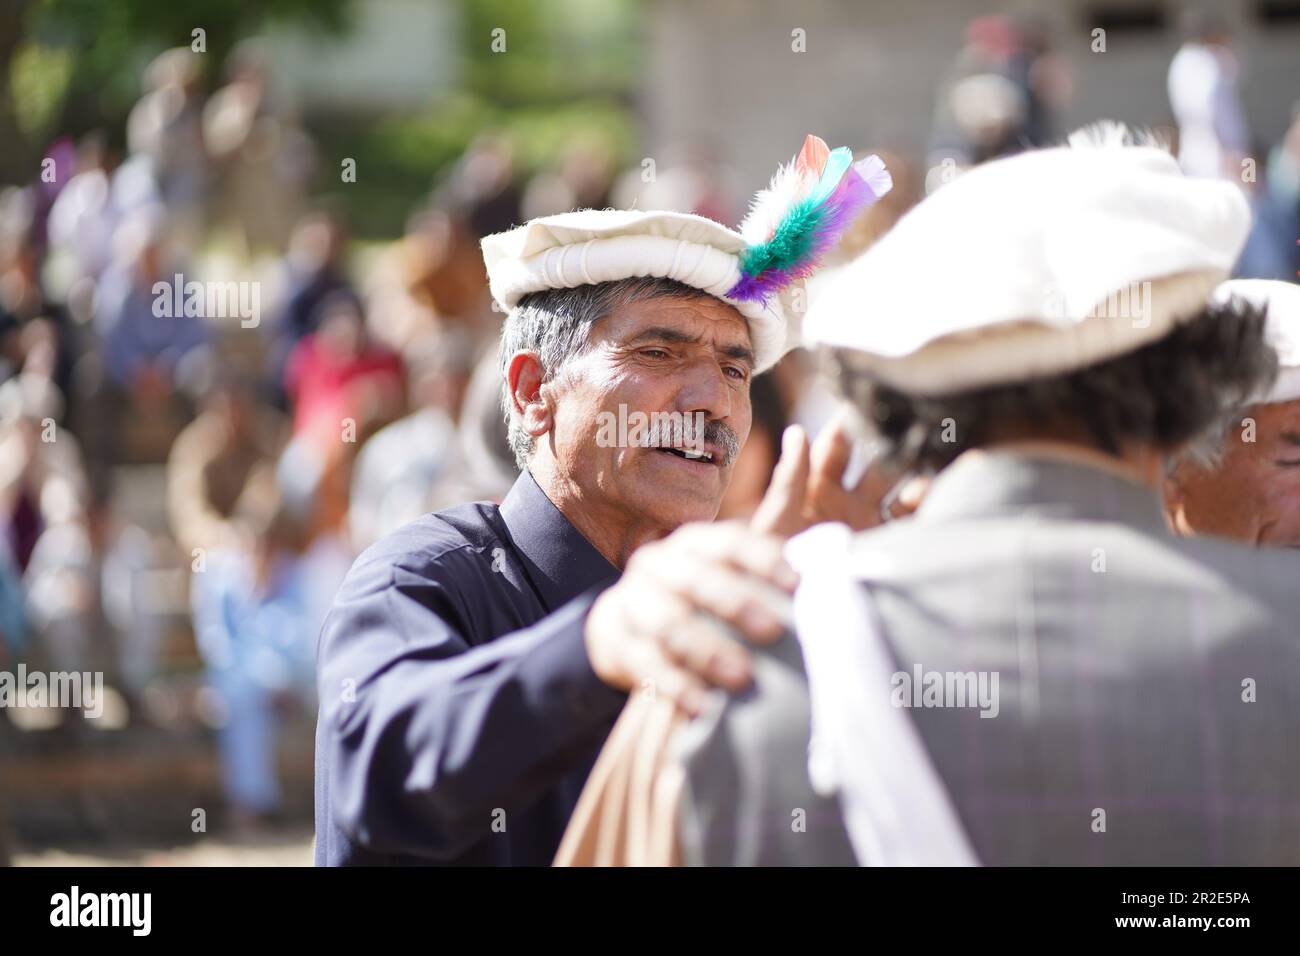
x=1035, y=265
x=1282, y=328
x=760, y=269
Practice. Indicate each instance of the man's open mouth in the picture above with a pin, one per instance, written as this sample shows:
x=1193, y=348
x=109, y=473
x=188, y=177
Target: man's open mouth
x=702, y=455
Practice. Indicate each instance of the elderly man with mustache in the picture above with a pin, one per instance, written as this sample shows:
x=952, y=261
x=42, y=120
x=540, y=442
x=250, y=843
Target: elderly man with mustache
x=464, y=692
x=1248, y=487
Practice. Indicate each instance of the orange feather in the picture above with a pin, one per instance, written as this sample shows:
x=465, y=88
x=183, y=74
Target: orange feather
x=813, y=156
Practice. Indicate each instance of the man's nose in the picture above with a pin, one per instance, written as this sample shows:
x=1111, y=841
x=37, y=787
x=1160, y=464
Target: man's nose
x=704, y=388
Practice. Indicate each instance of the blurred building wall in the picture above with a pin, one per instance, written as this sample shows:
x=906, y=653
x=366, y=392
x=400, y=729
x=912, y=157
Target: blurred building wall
x=399, y=55
x=723, y=72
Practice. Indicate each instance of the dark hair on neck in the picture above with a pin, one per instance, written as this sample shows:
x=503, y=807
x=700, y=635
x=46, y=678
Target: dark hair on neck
x=1163, y=395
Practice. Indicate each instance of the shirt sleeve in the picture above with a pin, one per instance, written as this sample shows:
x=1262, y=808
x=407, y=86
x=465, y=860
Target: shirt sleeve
x=428, y=736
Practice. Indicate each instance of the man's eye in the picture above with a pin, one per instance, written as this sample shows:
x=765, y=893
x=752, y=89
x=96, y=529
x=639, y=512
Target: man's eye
x=1286, y=463
x=654, y=353
x=737, y=373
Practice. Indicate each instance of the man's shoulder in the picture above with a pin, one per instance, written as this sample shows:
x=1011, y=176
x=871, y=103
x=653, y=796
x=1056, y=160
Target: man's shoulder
x=433, y=543
x=734, y=810
x=985, y=543
x=982, y=564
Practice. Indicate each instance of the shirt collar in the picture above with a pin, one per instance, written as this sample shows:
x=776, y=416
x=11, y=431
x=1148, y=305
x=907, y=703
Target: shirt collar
x=559, y=560
x=1006, y=482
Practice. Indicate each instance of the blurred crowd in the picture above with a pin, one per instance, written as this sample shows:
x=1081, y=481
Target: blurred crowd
x=181, y=495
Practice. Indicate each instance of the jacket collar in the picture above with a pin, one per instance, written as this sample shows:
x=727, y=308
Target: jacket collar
x=559, y=560
x=1008, y=482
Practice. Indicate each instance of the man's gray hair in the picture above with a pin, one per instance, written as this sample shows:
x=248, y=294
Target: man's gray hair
x=557, y=323
x=1208, y=450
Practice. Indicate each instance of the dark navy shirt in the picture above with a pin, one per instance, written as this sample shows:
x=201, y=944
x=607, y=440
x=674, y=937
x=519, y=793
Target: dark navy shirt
x=459, y=714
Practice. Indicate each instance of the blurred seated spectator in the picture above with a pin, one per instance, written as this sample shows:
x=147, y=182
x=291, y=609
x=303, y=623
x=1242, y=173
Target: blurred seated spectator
x=581, y=179
x=690, y=178
x=485, y=468
x=33, y=451
x=431, y=279
x=143, y=352
x=263, y=156
x=254, y=628
x=83, y=218
x=165, y=126
x=129, y=559
x=29, y=317
x=62, y=582
x=13, y=613
x=313, y=271
x=483, y=183
x=398, y=468
x=336, y=374
x=212, y=458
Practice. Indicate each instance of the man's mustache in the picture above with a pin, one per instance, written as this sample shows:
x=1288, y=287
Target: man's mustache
x=716, y=433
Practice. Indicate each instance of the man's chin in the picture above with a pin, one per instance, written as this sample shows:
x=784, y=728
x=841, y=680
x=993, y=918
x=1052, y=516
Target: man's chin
x=672, y=507
x=672, y=491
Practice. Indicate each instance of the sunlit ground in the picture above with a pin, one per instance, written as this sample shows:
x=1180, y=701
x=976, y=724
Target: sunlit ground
x=287, y=848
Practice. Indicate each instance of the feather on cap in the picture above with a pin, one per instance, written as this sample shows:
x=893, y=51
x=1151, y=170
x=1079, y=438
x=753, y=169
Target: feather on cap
x=802, y=214
x=757, y=270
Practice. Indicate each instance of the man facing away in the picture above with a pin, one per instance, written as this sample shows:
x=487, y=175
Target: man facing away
x=1032, y=668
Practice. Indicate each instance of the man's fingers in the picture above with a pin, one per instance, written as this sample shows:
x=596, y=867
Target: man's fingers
x=744, y=548
x=705, y=647
x=828, y=499
x=781, y=510
x=659, y=676
x=913, y=493
x=830, y=455
x=760, y=611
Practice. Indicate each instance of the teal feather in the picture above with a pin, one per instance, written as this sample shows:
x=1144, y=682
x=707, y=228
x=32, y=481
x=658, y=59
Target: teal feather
x=837, y=164
x=791, y=244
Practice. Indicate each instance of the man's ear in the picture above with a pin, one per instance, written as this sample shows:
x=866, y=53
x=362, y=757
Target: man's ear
x=524, y=377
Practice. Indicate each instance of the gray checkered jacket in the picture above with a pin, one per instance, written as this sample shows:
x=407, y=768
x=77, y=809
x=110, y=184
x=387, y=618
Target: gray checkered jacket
x=1149, y=685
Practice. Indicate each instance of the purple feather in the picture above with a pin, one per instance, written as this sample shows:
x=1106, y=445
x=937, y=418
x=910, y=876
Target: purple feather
x=862, y=185
x=761, y=287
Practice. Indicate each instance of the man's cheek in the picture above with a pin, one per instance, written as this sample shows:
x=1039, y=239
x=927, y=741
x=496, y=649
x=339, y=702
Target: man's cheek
x=1280, y=499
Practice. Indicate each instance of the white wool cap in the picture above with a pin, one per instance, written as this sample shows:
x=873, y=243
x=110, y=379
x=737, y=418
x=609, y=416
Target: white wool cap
x=604, y=245
x=1034, y=265
x=1282, y=328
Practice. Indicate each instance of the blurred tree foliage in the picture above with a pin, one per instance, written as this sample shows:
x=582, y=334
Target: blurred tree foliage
x=74, y=65
x=555, y=50
x=570, y=68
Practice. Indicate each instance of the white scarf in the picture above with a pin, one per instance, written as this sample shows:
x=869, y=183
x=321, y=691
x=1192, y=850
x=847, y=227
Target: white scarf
x=867, y=751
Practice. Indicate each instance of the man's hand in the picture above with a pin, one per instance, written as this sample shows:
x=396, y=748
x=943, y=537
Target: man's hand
x=807, y=485
x=647, y=633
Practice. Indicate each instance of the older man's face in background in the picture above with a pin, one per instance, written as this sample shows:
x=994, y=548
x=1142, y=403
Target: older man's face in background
x=656, y=355
x=1253, y=494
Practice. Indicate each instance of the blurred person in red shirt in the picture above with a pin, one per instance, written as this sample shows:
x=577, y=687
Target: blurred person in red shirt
x=337, y=377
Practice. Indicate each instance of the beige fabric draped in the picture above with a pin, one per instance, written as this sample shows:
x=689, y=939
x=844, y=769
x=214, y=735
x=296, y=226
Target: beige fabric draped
x=627, y=813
